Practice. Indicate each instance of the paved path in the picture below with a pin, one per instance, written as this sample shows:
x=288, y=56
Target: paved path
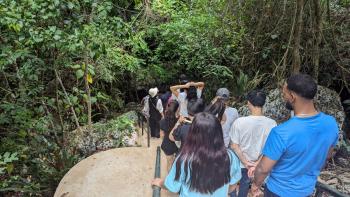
x=120, y=172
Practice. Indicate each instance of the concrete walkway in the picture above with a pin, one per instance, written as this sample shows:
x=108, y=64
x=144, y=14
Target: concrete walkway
x=120, y=172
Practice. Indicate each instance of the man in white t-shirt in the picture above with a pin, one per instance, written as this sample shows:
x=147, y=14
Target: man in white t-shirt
x=192, y=90
x=248, y=137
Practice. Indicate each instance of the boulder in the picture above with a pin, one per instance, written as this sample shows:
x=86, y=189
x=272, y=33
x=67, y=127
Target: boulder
x=118, y=132
x=327, y=101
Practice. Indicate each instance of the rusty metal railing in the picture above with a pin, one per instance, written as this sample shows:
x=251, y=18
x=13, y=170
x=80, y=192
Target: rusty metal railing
x=323, y=188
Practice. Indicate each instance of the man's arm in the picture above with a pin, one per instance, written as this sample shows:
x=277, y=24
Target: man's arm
x=330, y=153
x=329, y=156
x=262, y=170
x=247, y=164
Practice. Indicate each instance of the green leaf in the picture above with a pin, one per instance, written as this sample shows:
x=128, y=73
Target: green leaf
x=79, y=73
x=56, y=37
x=9, y=168
x=70, y=5
x=93, y=100
x=22, y=134
x=74, y=100
x=75, y=66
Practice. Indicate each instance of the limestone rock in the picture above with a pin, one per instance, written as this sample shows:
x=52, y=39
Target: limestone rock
x=114, y=133
x=336, y=177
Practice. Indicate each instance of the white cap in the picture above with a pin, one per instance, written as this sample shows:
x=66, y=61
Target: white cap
x=153, y=92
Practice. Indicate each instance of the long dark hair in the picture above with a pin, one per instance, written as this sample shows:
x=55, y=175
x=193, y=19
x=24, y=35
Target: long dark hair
x=195, y=106
x=204, y=153
x=217, y=108
x=191, y=93
x=170, y=114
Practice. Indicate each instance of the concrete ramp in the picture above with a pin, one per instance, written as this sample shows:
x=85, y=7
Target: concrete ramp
x=120, y=172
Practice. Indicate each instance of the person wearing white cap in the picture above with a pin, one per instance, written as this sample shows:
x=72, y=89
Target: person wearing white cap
x=153, y=110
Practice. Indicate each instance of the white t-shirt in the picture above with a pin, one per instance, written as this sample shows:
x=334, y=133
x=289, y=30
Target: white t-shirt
x=182, y=99
x=250, y=133
x=231, y=115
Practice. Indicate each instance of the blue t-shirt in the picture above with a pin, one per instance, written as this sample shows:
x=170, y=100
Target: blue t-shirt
x=300, y=147
x=180, y=186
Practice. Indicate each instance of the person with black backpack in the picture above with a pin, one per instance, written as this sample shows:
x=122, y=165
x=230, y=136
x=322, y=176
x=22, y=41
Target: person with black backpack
x=153, y=111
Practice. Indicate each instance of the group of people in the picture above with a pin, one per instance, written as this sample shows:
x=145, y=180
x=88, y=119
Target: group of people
x=211, y=151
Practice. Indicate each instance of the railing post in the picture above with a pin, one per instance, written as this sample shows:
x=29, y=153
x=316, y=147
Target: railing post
x=156, y=190
x=148, y=133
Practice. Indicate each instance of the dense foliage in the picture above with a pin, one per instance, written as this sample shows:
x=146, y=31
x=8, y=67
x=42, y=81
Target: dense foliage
x=67, y=63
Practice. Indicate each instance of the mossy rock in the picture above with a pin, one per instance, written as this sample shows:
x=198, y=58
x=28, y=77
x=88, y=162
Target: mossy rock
x=118, y=132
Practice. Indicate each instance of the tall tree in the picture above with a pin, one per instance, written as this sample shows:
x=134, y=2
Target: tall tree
x=317, y=31
x=297, y=36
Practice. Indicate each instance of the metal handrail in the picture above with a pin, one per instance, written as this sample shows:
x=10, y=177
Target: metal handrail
x=321, y=188
x=141, y=119
x=148, y=133
x=156, y=190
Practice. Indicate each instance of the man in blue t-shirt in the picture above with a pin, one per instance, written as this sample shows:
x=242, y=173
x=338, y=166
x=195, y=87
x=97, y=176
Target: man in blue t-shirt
x=296, y=150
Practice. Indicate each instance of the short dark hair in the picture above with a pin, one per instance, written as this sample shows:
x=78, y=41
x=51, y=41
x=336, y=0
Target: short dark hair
x=303, y=85
x=183, y=79
x=257, y=98
x=195, y=106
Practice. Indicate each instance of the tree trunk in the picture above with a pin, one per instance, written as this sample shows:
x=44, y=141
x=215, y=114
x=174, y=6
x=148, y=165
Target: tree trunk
x=87, y=91
x=317, y=30
x=297, y=34
x=67, y=97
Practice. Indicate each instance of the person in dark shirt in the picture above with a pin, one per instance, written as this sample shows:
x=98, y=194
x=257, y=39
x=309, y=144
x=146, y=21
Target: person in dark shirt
x=166, y=125
x=182, y=127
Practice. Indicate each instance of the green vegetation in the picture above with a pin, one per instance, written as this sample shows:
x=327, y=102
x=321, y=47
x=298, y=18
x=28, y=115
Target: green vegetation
x=65, y=64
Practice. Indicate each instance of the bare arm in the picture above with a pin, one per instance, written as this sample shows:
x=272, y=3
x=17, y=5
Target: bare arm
x=174, y=89
x=232, y=188
x=171, y=137
x=159, y=183
x=330, y=153
x=262, y=170
x=224, y=118
x=251, y=170
x=199, y=85
x=329, y=156
x=162, y=134
x=247, y=164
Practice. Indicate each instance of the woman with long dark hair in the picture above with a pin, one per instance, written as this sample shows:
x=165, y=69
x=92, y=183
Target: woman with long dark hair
x=166, y=125
x=217, y=108
x=204, y=167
